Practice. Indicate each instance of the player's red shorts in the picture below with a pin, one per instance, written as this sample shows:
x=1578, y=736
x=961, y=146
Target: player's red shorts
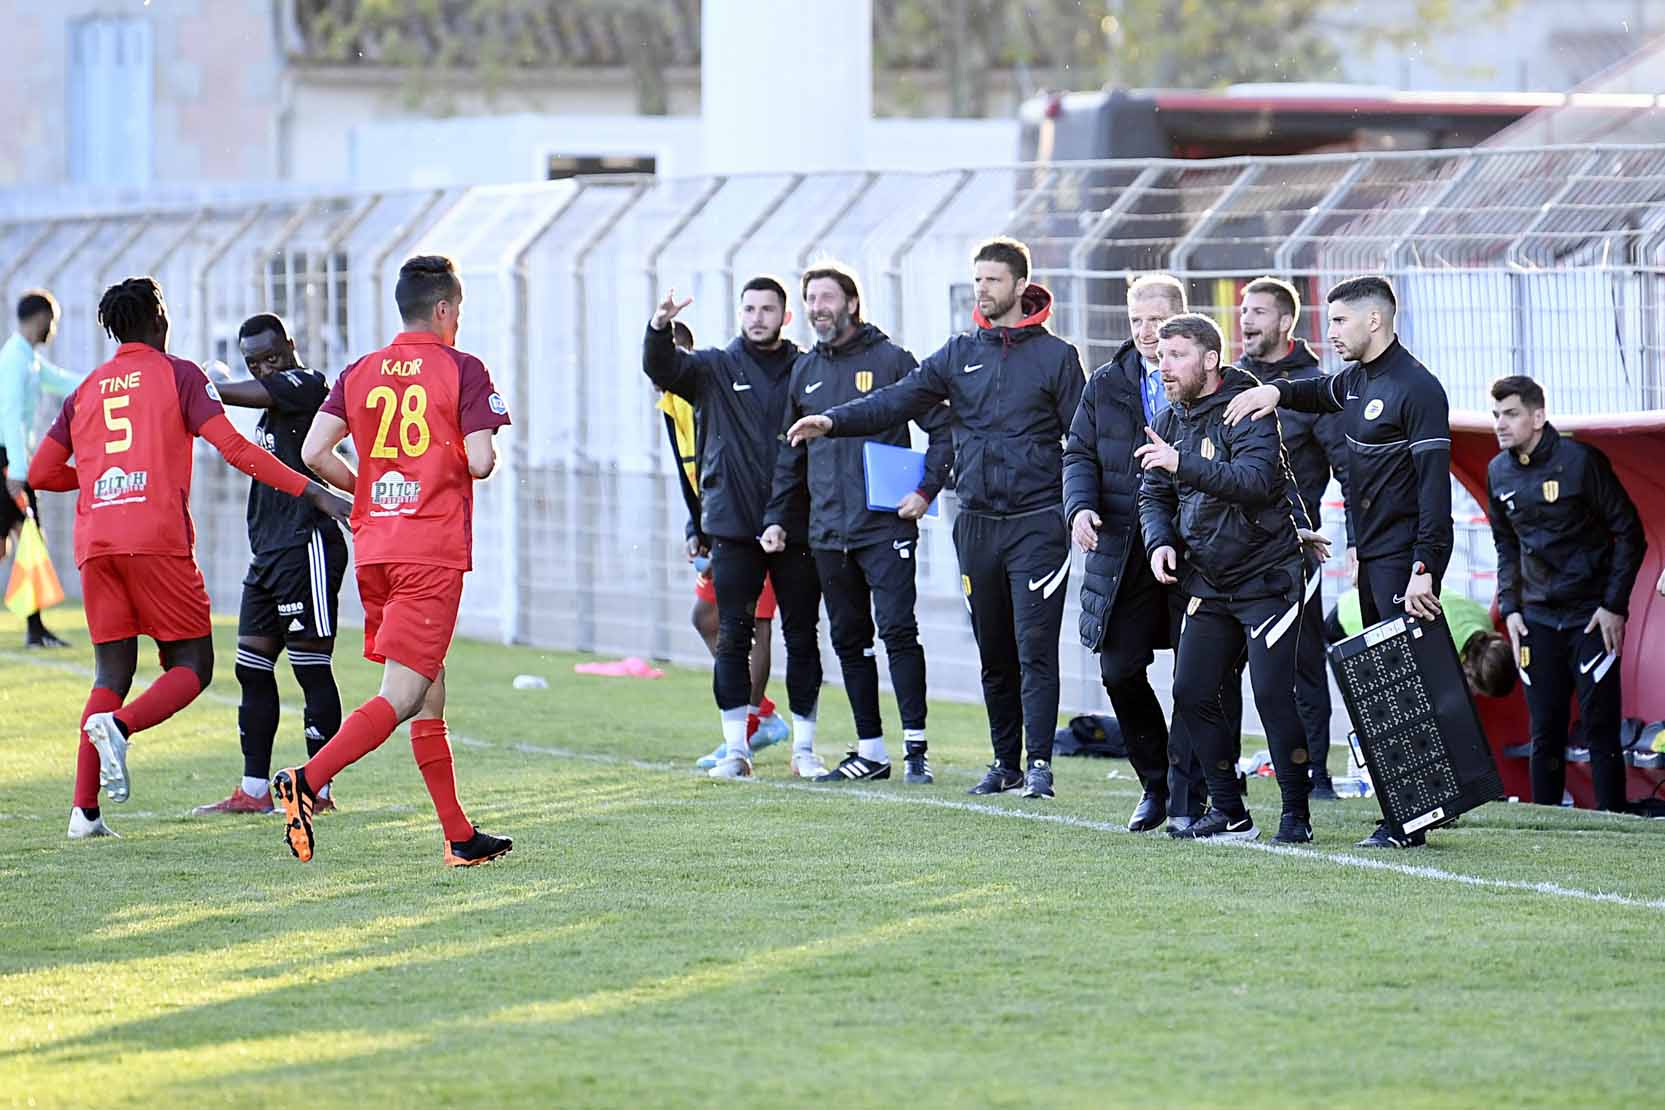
x=160, y=596
x=410, y=613
x=706, y=590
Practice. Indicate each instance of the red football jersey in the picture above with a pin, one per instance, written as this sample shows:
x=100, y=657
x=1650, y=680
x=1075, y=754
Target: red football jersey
x=131, y=427
x=408, y=407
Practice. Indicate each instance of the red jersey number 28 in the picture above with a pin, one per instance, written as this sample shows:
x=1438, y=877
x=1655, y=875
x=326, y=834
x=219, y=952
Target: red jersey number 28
x=412, y=437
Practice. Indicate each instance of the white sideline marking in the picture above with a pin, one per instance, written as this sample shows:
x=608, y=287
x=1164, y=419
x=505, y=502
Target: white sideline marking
x=834, y=790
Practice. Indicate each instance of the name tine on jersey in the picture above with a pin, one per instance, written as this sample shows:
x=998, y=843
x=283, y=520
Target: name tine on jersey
x=402, y=368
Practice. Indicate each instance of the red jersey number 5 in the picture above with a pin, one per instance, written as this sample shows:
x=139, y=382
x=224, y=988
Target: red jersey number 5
x=412, y=413
x=121, y=428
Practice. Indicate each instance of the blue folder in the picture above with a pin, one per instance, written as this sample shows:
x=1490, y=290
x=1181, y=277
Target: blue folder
x=892, y=474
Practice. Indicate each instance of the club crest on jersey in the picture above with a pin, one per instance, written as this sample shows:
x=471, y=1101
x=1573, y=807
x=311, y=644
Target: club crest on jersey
x=1552, y=491
x=1192, y=606
x=965, y=584
x=118, y=487
x=498, y=405
x=394, y=493
x=864, y=380
x=1207, y=448
x=213, y=391
x=1373, y=409
x=1525, y=657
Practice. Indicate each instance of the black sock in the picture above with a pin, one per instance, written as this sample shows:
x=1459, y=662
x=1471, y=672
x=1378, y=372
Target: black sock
x=37, y=627
x=90, y=812
x=323, y=700
x=257, y=712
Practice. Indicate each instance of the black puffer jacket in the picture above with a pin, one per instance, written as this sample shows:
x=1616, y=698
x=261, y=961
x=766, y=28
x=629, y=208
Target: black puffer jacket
x=1315, y=444
x=739, y=397
x=1101, y=474
x=1227, y=509
x=832, y=469
x=1568, y=536
x=1012, y=392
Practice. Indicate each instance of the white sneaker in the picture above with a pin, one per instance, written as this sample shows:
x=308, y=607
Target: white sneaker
x=80, y=828
x=106, y=736
x=732, y=767
x=808, y=765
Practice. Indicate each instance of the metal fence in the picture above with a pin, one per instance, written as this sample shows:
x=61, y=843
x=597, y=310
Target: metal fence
x=1543, y=261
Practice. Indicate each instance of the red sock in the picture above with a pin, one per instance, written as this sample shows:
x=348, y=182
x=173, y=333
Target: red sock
x=765, y=708
x=364, y=730
x=433, y=758
x=86, y=756
x=177, y=688
x=751, y=726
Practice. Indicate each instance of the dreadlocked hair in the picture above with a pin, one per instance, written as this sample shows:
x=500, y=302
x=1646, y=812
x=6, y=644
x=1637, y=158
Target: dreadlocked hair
x=130, y=309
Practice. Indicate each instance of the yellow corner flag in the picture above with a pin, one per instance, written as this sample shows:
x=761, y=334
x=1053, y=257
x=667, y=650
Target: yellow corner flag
x=34, y=585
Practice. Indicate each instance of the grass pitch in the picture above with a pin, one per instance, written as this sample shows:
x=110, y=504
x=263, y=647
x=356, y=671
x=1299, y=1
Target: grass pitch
x=657, y=939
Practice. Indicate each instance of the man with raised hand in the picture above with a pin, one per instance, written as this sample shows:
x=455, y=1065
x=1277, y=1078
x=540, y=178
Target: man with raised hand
x=1012, y=387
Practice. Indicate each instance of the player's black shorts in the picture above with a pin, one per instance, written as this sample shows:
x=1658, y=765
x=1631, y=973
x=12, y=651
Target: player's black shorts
x=292, y=594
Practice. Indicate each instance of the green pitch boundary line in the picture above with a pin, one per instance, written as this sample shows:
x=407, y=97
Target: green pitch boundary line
x=1341, y=859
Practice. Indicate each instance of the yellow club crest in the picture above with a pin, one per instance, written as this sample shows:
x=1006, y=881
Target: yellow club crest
x=1207, y=448
x=1525, y=657
x=1193, y=606
x=1373, y=409
x=1552, y=490
x=864, y=380
x=965, y=584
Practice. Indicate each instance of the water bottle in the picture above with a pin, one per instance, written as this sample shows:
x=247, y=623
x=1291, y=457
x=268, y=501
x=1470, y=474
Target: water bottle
x=702, y=564
x=1352, y=786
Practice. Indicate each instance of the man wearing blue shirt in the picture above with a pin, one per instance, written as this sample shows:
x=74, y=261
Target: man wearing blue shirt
x=25, y=373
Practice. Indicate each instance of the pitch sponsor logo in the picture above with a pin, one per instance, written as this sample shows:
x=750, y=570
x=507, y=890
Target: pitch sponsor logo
x=394, y=493
x=119, y=487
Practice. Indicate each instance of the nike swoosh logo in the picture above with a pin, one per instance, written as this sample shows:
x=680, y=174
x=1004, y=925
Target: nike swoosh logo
x=1263, y=625
x=969, y=369
x=1238, y=826
x=739, y=388
x=1398, y=599
x=1586, y=668
x=1034, y=585
x=1352, y=396
x=1505, y=496
x=900, y=544
x=808, y=389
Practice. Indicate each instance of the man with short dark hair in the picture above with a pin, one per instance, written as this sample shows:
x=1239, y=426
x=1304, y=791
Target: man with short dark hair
x=422, y=416
x=1316, y=447
x=26, y=374
x=1398, y=427
x=865, y=557
x=1220, y=492
x=292, y=590
x=764, y=727
x=1012, y=387
x=739, y=398
x=1126, y=615
x=1569, y=547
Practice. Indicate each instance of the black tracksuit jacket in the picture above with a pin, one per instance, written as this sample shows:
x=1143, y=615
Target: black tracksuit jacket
x=1315, y=444
x=832, y=469
x=739, y=398
x=1398, y=427
x=1567, y=534
x=1012, y=392
x=1228, y=509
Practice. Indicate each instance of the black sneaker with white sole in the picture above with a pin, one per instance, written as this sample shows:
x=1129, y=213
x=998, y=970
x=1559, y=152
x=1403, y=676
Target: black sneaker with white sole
x=1215, y=825
x=1038, y=782
x=916, y=769
x=1294, y=828
x=998, y=780
x=853, y=767
x=1384, y=838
